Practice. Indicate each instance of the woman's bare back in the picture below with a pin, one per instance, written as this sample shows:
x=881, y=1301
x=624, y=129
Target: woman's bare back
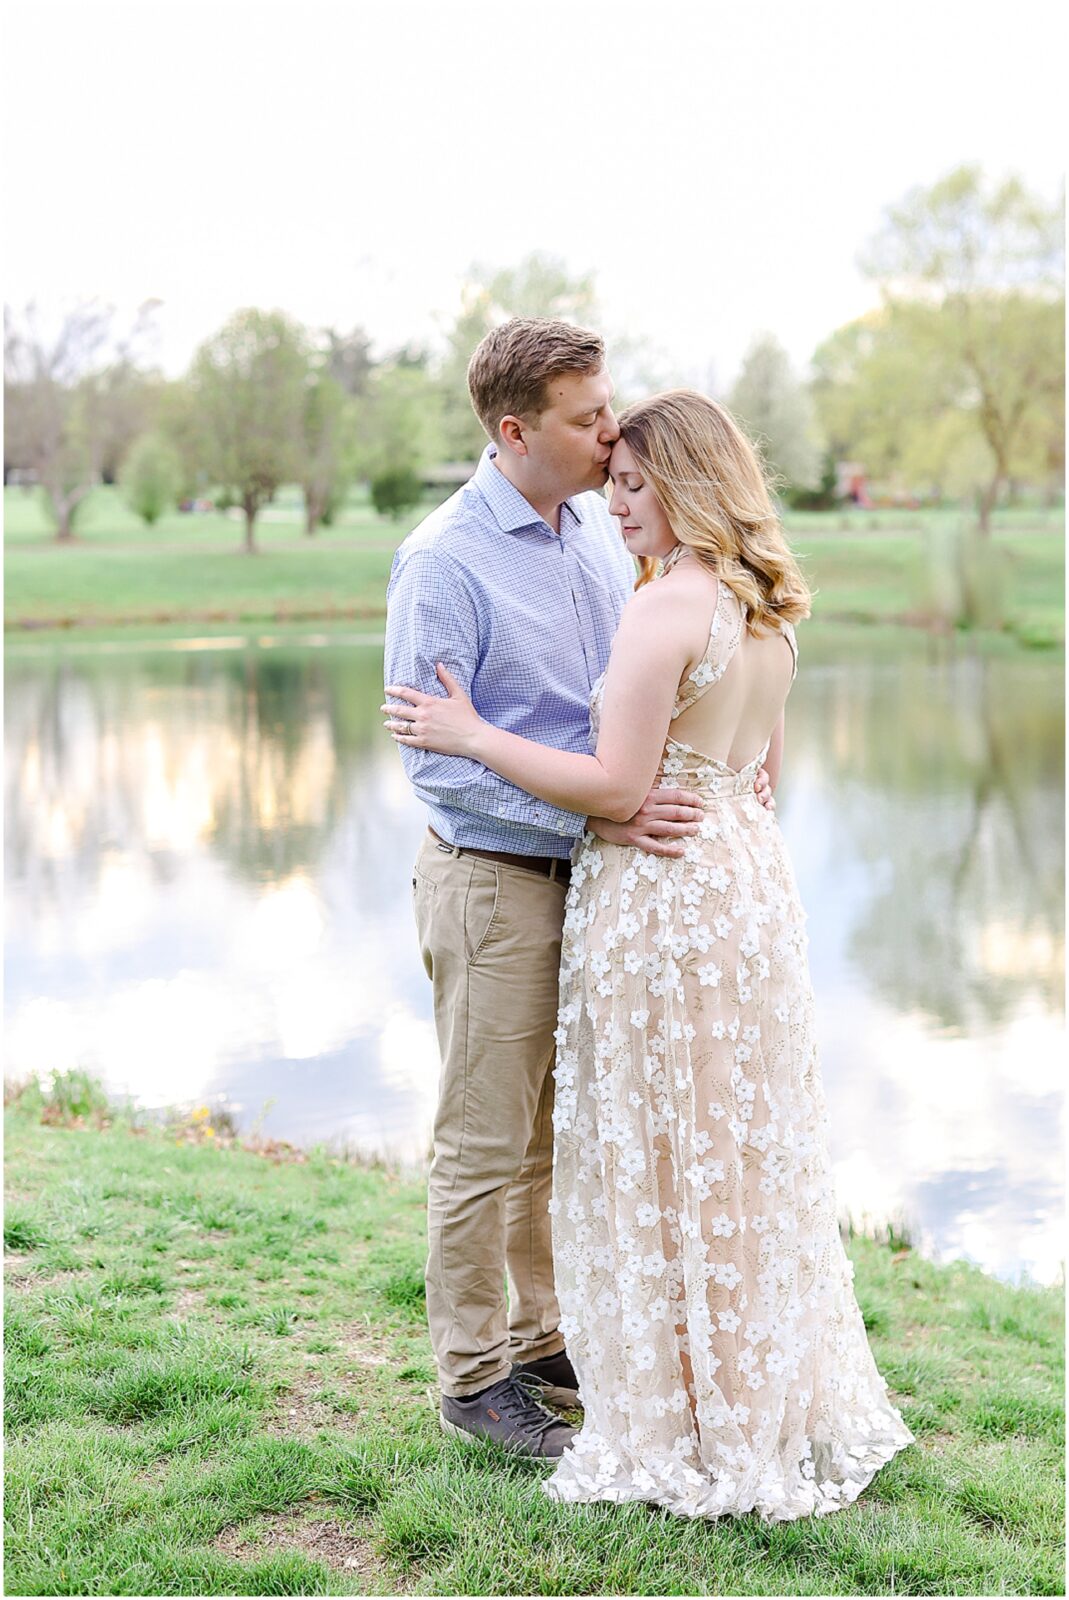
x=752, y=673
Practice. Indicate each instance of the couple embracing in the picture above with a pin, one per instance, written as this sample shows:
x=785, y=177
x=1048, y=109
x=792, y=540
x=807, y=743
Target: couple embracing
x=588, y=697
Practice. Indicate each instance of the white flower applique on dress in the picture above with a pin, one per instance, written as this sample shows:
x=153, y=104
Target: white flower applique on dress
x=706, y=1299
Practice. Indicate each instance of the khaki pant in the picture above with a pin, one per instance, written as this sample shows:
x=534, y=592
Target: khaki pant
x=490, y=937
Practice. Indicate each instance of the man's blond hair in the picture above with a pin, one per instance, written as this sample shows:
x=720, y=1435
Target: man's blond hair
x=508, y=374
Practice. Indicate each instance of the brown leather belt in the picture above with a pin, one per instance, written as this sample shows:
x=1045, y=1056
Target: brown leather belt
x=559, y=868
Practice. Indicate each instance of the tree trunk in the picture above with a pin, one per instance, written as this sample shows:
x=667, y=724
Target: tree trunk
x=988, y=501
x=250, y=507
x=63, y=511
x=313, y=511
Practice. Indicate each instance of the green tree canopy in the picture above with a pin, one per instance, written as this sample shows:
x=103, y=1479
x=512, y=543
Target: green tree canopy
x=877, y=404
x=972, y=278
x=773, y=405
x=327, y=446
x=151, y=476
x=398, y=422
x=248, y=384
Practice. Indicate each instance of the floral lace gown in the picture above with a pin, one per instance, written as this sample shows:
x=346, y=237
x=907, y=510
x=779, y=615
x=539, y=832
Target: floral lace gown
x=706, y=1298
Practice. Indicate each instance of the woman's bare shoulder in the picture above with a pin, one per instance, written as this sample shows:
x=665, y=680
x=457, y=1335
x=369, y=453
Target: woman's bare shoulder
x=683, y=608
x=685, y=586
x=654, y=604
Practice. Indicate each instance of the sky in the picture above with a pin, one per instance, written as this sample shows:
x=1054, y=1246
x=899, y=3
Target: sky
x=717, y=165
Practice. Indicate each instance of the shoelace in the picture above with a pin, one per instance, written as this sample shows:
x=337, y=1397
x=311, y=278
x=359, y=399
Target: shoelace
x=532, y=1382
x=517, y=1404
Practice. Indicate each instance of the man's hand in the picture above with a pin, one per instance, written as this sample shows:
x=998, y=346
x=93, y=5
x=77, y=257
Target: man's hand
x=664, y=819
x=762, y=788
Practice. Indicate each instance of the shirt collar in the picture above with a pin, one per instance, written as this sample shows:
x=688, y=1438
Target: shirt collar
x=506, y=502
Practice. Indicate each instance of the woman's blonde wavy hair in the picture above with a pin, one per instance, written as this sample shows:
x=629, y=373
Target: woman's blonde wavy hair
x=709, y=481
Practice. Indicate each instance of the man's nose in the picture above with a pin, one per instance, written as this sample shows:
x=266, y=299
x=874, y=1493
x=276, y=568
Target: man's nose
x=610, y=429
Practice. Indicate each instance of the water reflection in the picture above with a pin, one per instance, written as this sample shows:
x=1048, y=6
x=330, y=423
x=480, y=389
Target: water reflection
x=949, y=783
x=209, y=856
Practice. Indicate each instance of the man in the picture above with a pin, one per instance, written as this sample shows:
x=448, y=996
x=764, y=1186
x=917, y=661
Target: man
x=516, y=584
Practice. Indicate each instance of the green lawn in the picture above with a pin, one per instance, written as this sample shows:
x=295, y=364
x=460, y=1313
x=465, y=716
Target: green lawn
x=106, y=519
x=881, y=576
x=219, y=1382
x=193, y=568
x=865, y=566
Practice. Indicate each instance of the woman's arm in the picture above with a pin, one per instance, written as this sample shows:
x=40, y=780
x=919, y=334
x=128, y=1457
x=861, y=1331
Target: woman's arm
x=648, y=657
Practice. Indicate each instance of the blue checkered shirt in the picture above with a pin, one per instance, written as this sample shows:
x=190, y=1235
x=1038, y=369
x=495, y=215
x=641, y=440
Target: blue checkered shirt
x=524, y=620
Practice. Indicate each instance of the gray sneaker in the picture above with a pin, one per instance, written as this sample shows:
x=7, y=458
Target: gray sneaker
x=506, y=1413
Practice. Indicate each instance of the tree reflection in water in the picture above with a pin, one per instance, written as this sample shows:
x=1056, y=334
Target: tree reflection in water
x=947, y=781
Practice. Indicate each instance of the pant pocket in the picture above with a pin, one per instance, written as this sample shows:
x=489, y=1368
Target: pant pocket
x=480, y=911
x=424, y=895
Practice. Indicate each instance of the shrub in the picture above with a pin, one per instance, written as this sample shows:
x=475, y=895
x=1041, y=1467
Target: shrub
x=395, y=491
x=150, y=477
x=823, y=498
x=74, y=1096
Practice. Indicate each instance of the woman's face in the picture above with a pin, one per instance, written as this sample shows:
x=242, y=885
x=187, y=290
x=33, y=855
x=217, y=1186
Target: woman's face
x=644, y=526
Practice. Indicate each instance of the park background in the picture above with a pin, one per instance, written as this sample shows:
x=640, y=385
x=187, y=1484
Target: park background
x=240, y=302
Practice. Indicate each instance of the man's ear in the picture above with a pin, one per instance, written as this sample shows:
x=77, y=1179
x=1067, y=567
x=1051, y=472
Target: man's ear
x=511, y=432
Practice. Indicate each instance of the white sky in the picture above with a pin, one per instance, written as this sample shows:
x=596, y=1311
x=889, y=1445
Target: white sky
x=718, y=165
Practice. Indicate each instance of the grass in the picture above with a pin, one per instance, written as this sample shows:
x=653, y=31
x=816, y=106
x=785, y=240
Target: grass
x=118, y=571
x=866, y=566
x=219, y=1382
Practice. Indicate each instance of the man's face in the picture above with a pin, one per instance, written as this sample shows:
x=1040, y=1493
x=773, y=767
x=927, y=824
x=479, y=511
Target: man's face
x=569, y=448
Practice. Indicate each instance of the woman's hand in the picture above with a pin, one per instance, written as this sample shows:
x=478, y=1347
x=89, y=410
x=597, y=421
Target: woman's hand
x=427, y=722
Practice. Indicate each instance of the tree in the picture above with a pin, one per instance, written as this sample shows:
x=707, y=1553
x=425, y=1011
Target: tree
x=976, y=272
x=538, y=286
x=326, y=447
x=399, y=422
x=877, y=403
x=72, y=400
x=151, y=476
x=248, y=384
x=179, y=426
x=775, y=408
x=348, y=359
x=463, y=437
x=129, y=399
x=639, y=368
x=884, y=399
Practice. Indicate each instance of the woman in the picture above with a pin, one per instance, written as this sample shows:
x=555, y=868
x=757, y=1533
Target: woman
x=706, y=1298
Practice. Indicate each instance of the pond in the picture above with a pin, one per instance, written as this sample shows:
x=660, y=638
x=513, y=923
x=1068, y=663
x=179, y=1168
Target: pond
x=209, y=845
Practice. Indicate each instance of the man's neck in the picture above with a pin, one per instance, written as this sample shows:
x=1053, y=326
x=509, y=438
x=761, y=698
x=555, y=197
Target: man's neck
x=548, y=508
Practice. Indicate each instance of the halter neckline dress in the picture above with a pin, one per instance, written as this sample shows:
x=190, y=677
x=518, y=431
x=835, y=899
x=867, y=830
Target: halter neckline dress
x=707, y=1302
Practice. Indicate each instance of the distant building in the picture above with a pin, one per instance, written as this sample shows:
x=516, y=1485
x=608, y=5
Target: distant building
x=447, y=476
